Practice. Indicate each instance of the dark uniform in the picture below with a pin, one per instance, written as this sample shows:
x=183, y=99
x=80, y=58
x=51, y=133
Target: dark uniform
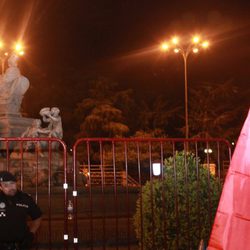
x=13, y=218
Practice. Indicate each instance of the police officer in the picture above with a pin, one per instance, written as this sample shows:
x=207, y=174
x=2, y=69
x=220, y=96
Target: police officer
x=15, y=206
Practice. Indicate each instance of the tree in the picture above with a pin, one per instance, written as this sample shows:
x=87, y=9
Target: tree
x=213, y=112
x=156, y=116
x=175, y=212
x=101, y=114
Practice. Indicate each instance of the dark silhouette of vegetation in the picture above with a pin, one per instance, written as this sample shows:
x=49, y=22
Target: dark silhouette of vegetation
x=111, y=111
x=213, y=112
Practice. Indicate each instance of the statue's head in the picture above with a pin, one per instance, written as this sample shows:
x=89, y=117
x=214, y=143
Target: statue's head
x=44, y=111
x=12, y=61
x=55, y=111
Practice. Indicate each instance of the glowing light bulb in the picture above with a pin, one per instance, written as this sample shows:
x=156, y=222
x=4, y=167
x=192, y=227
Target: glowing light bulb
x=208, y=151
x=164, y=46
x=195, y=50
x=18, y=47
x=175, y=40
x=196, y=39
x=205, y=44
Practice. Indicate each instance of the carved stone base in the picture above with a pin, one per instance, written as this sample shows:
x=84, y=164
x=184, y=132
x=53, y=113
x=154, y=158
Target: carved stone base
x=9, y=109
x=13, y=126
x=35, y=168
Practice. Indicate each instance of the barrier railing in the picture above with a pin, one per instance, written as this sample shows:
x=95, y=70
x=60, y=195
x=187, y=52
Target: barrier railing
x=40, y=165
x=120, y=193
x=117, y=184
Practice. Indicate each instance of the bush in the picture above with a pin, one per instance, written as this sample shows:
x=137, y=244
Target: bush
x=177, y=214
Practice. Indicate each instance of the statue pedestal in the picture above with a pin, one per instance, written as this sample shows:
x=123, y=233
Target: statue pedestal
x=13, y=126
x=9, y=110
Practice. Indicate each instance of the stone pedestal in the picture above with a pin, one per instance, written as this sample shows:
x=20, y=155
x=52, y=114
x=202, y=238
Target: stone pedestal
x=35, y=168
x=13, y=126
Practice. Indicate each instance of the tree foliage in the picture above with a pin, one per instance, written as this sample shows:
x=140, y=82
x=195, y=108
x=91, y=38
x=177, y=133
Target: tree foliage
x=174, y=212
x=156, y=115
x=213, y=112
x=108, y=110
x=99, y=114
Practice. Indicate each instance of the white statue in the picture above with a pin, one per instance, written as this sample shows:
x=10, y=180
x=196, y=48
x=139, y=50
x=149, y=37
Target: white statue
x=12, y=72
x=52, y=117
x=12, y=87
x=35, y=131
x=54, y=129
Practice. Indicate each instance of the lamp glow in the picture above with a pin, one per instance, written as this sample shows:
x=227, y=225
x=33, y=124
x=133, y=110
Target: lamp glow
x=18, y=47
x=175, y=40
x=176, y=50
x=21, y=53
x=196, y=39
x=208, y=151
x=205, y=44
x=164, y=46
x=195, y=50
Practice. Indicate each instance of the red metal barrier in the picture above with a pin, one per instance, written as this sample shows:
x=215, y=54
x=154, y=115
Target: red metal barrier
x=41, y=167
x=92, y=202
x=110, y=178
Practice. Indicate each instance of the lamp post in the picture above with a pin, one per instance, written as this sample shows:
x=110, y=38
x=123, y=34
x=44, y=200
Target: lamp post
x=191, y=47
x=5, y=52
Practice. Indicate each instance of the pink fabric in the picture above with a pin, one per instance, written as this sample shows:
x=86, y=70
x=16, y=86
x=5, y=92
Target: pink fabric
x=231, y=229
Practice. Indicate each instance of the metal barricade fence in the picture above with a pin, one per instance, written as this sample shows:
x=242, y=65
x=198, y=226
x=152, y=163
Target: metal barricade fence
x=120, y=193
x=145, y=193
x=40, y=165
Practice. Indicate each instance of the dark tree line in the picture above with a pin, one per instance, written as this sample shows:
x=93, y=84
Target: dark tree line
x=215, y=110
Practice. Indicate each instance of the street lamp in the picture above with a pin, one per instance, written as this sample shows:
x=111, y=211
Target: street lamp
x=17, y=49
x=185, y=49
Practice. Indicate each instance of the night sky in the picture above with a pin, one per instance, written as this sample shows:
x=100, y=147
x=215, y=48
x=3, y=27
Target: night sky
x=70, y=40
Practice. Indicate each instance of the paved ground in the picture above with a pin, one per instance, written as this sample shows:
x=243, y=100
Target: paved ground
x=54, y=230
x=112, y=234
x=95, y=248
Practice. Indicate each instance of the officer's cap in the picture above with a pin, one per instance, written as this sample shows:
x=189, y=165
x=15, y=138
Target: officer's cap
x=7, y=176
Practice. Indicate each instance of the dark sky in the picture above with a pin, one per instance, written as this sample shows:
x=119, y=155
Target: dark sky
x=69, y=39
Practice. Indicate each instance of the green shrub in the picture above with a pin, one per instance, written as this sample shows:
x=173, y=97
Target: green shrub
x=180, y=213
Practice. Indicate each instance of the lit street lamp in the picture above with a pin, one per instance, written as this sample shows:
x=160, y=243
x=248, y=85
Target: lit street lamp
x=185, y=49
x=5, y=52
